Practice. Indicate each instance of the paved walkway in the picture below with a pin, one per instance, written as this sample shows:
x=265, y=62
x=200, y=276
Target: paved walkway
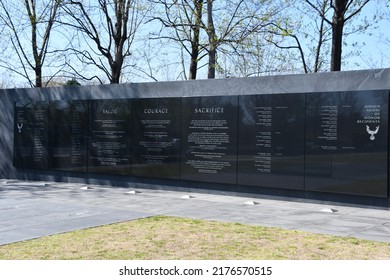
x=34, y=209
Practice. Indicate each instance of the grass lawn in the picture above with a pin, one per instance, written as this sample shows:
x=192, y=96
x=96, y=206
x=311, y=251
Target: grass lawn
x=167, y=238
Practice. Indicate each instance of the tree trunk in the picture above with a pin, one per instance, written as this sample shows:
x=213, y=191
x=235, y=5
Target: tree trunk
x=195, y=39
x=212, y=62
x=116, y=65
x=38, y=76
x=194, y=61
x=212, y=41
x=33, y=21
x=115, y=74
x=337, y=34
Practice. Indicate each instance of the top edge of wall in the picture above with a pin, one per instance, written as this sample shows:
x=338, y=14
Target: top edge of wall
x=375, y=79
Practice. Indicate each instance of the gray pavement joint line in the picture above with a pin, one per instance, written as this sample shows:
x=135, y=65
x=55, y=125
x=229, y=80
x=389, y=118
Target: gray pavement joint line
x=357, y=232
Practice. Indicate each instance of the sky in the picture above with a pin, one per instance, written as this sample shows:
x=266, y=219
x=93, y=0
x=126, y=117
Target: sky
x=373, y=54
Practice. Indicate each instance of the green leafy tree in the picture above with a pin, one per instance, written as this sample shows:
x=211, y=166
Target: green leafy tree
x=72, y=82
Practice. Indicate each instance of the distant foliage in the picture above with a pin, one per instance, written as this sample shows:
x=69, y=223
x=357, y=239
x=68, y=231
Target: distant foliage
x=72, y=82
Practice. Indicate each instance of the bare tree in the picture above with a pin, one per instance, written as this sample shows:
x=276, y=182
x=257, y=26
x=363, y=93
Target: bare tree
x=205, y=28
x=181, y=23
x=195, y=42
x=230, y=23
x=213, y=41
x=343, y=11
x=290, y=35
x=319, y=33
x=108, y=27
x=29, y=27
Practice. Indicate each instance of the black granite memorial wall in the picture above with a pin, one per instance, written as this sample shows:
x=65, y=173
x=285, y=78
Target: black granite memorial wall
x=330, y=142
x=31, y=138
x=347, y=143
x=156, y=127
x=209, y=139
x=271, y=140
x=109, y=141
x=68, y=138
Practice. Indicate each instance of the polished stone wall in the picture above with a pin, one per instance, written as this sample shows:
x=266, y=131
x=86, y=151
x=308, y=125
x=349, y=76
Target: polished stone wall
x=269, y=132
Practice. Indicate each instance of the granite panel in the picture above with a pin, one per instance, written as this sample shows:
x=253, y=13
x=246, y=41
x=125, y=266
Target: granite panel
x=271, y=140
x=31, y=126
x=209, y=139
x=156, y=124
x=68, y=140
x=347, y=143
x=109, y=140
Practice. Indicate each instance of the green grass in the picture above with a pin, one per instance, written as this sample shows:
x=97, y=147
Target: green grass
x=167, y=238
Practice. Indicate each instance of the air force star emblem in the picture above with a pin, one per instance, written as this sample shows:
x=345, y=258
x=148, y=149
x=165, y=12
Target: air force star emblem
x=372, y=132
